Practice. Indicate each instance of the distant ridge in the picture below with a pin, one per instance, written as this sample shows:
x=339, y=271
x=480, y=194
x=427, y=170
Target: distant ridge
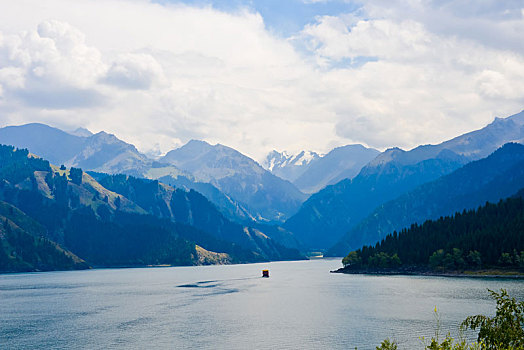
x=327, y=215
x=341, y=163
x=105, y=153
x=83, y=132
x=289, y=166
x=50, y=143
x=101, y=152
x=266, y=196
x=310, y=171
x=118, y=220
x=250, y=195
x=495, y=177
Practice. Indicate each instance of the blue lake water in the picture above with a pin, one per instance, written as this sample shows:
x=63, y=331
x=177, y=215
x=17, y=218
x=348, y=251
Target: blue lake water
x=301, y=306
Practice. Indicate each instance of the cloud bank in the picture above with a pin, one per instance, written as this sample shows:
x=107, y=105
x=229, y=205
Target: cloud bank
x=386, y=74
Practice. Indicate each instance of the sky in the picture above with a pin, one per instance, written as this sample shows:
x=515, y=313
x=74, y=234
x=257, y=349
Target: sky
x=262, y=74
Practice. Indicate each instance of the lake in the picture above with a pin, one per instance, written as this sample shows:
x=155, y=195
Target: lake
x=301, y=306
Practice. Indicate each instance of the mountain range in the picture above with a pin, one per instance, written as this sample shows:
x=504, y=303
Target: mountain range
x=233, y=182
x=129, y=221
x=101, y=152
x=289, y=166
x=228, y=204
x=327, y=215
x=266, y=196
x=490, y=179
x=310, y=172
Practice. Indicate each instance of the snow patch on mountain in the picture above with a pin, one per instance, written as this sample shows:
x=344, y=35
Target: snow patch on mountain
x=340, y=163
x=287, y=165
x=267, y=196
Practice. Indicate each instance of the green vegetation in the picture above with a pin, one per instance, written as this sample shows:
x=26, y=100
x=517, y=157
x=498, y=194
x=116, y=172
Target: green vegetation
x=121, y=221
x=387, y=345
x=23, y=248
x=342, y=206
x=491, y=179
x=16, y=165
x=73, y=216
x=76, y=175
x=490, y=237
x=504, y=331
x=192, y=208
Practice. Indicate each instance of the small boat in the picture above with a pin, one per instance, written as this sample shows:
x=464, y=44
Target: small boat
x=265, y=273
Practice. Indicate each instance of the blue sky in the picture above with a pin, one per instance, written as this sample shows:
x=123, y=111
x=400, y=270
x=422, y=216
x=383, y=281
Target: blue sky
x=263, y=74
x=284, y=18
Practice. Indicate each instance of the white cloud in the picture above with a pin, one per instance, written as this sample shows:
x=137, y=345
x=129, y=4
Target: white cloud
x=158, y=75
x=12, y=77
x=134, y=71
x=332, y=38
x=424, y=87
x=50, y=67
x=491, y=23
x=57, y=54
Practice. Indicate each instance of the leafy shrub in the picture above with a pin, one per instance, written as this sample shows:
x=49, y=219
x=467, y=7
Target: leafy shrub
x=387, y=345
x=506, y=329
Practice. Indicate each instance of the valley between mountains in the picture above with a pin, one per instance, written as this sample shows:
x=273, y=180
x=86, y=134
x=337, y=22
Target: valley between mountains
x=76, y=200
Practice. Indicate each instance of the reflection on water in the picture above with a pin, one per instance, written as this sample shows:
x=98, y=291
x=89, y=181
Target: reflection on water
x=300, y=306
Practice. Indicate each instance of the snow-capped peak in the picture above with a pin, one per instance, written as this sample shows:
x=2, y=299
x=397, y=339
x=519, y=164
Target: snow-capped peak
x=283, y=159
x=304, y=158
x=288, y=165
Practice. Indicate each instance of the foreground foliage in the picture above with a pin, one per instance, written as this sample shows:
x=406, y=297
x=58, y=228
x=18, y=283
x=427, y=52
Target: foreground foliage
x=504, y=331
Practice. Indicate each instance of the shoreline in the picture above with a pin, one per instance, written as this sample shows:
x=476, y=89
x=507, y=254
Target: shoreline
x=151, y=266
x=485, y=273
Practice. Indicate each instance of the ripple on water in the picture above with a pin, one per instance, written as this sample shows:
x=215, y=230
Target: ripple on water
x=301, y=306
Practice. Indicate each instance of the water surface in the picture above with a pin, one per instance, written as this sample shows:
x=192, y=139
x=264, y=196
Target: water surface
x=301, y=306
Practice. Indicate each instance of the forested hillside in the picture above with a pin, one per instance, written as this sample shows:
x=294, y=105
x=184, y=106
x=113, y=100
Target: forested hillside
x=192, y=208
x=497, y=176
x=105, y=228
x=490, y=236
x=24, y=247
x=328, y=215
